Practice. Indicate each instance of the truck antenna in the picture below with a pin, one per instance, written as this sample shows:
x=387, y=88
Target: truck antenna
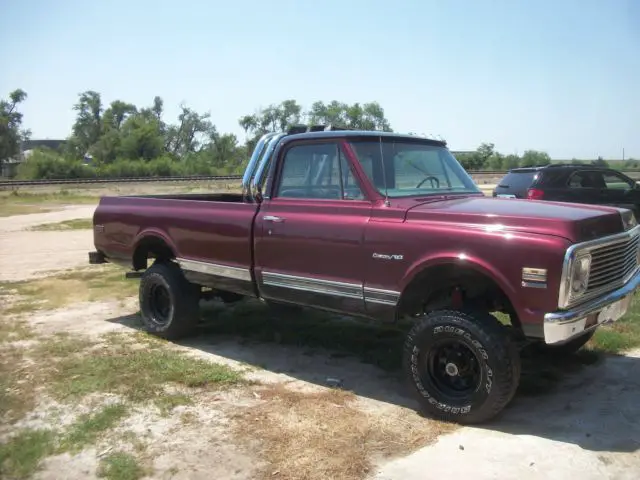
x=384, y=174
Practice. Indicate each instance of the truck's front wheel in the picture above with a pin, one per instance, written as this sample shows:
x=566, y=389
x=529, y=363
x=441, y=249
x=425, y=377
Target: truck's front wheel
x=169, y=304
x=463, y=367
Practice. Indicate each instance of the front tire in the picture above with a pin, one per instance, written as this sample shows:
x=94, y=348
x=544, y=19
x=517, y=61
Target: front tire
x=169, y=303
x=463, y=367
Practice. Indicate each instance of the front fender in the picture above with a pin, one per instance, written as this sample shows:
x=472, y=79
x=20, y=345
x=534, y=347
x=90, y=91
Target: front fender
x=464, y=260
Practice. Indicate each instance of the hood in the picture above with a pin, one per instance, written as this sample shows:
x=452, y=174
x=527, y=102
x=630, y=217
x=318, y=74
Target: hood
x=575, y=222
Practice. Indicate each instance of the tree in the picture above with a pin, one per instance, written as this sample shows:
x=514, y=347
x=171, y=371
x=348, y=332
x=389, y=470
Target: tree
x=187, y=136
x=88, y=125
x=140, y=139
x=369, y=116
x=11, y=134
x=532, y=158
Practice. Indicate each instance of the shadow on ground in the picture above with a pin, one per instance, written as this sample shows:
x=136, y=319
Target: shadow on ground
x=585, y=399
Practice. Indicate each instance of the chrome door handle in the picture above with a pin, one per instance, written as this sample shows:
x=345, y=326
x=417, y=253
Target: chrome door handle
x=272, y=218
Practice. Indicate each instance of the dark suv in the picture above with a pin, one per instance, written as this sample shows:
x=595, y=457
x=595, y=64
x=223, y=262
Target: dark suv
x=571, y=183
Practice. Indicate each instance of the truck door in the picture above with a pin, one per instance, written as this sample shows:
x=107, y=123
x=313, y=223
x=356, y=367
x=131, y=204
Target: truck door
x=309, y=233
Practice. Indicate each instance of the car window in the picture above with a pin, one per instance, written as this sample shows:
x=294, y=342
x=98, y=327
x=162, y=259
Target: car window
x=616, y=182
x=402, y=168
x=585, y=179
x=317, y=171
x=518, y=180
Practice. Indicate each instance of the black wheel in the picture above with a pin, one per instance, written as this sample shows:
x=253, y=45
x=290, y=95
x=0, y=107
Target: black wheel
x=463, y=367
x=569, y=348
x=169, y=304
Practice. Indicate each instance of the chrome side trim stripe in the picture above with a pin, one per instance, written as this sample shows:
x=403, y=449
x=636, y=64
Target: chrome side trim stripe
x=294, y=282
x=215, y=269
x=325, y=287
x=378, y=295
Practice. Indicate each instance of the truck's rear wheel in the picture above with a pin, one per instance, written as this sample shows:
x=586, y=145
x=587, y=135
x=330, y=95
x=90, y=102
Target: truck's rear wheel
x=463, y=367
x=169, y=304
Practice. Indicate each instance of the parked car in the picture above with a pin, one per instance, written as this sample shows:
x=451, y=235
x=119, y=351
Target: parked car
x=571, y=183
x=384, y=226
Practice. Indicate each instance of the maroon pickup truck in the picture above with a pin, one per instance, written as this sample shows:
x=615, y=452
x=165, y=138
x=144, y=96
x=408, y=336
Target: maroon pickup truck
x=384, y=226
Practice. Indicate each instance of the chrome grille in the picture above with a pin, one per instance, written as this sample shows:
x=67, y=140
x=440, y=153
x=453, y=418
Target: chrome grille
x=612, y=265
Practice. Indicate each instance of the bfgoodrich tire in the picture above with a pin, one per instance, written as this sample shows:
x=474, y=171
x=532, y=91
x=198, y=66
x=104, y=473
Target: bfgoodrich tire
x=463, y=367
x=169, y=304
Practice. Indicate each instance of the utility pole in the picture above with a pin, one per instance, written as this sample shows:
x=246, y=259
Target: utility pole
x=623, y=154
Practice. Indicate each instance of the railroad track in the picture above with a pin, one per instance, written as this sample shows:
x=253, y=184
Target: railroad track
x=199, y=178
x=84, y=181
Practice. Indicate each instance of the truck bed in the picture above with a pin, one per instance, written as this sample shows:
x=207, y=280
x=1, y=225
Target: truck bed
x=215, y=229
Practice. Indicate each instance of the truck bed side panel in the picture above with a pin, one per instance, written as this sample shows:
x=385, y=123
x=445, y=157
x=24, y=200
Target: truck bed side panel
x=211, y=240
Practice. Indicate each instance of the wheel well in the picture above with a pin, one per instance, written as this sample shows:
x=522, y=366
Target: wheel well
x=455, y=286
x=151, y=247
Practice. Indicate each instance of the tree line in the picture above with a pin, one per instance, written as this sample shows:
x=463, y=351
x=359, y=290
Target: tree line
x=121, y=139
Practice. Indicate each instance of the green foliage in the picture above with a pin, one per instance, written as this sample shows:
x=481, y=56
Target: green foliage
x=123, y=140
x=48, y=164
x=10, y=123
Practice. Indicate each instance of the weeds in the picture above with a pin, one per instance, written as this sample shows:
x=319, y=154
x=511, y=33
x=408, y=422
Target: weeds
x=75, y=286
x=74, y=224
x=121, y=466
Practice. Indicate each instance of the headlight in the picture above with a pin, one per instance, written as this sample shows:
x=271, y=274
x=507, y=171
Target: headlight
x=580, y=275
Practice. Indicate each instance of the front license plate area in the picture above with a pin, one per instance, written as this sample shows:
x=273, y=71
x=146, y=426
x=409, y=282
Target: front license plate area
x=615, y=311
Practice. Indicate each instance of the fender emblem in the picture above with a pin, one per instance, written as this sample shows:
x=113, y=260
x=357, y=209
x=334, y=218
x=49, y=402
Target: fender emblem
x=388, y=257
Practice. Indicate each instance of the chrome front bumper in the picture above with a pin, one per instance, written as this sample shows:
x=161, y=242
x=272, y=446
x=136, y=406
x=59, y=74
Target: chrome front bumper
x=564, y=325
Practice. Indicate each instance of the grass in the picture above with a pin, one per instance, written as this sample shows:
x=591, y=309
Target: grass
x=137, y=374
x=121, y=466
x=84, y=285
x=88, y=428
x=60, y=197
x=21, y=455
x=324, y=434
x=17, y=202
x=75, y=224
x=8, y=209
x=621, y=335
x=68, y=368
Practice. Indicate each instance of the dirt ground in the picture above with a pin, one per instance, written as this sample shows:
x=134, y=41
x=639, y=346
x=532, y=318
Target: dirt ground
x=284, y=420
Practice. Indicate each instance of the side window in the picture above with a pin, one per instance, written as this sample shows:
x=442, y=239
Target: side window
x=584, y=179
x=314, y=172
x=616, y=182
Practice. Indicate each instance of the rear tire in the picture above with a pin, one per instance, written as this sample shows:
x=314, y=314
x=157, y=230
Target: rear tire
x=169, y=304
x=463, y=367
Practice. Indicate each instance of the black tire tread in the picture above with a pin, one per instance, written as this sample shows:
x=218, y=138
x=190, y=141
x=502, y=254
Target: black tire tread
x=492, y=334
x=185, y=297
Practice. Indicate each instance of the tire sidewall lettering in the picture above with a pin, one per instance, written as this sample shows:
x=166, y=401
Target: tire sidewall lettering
x=480, y=350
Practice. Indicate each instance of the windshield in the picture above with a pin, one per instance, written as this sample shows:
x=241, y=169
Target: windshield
x=412, y=168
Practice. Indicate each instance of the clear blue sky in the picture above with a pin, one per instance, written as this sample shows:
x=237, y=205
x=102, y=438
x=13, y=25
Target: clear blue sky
x=561, y=76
